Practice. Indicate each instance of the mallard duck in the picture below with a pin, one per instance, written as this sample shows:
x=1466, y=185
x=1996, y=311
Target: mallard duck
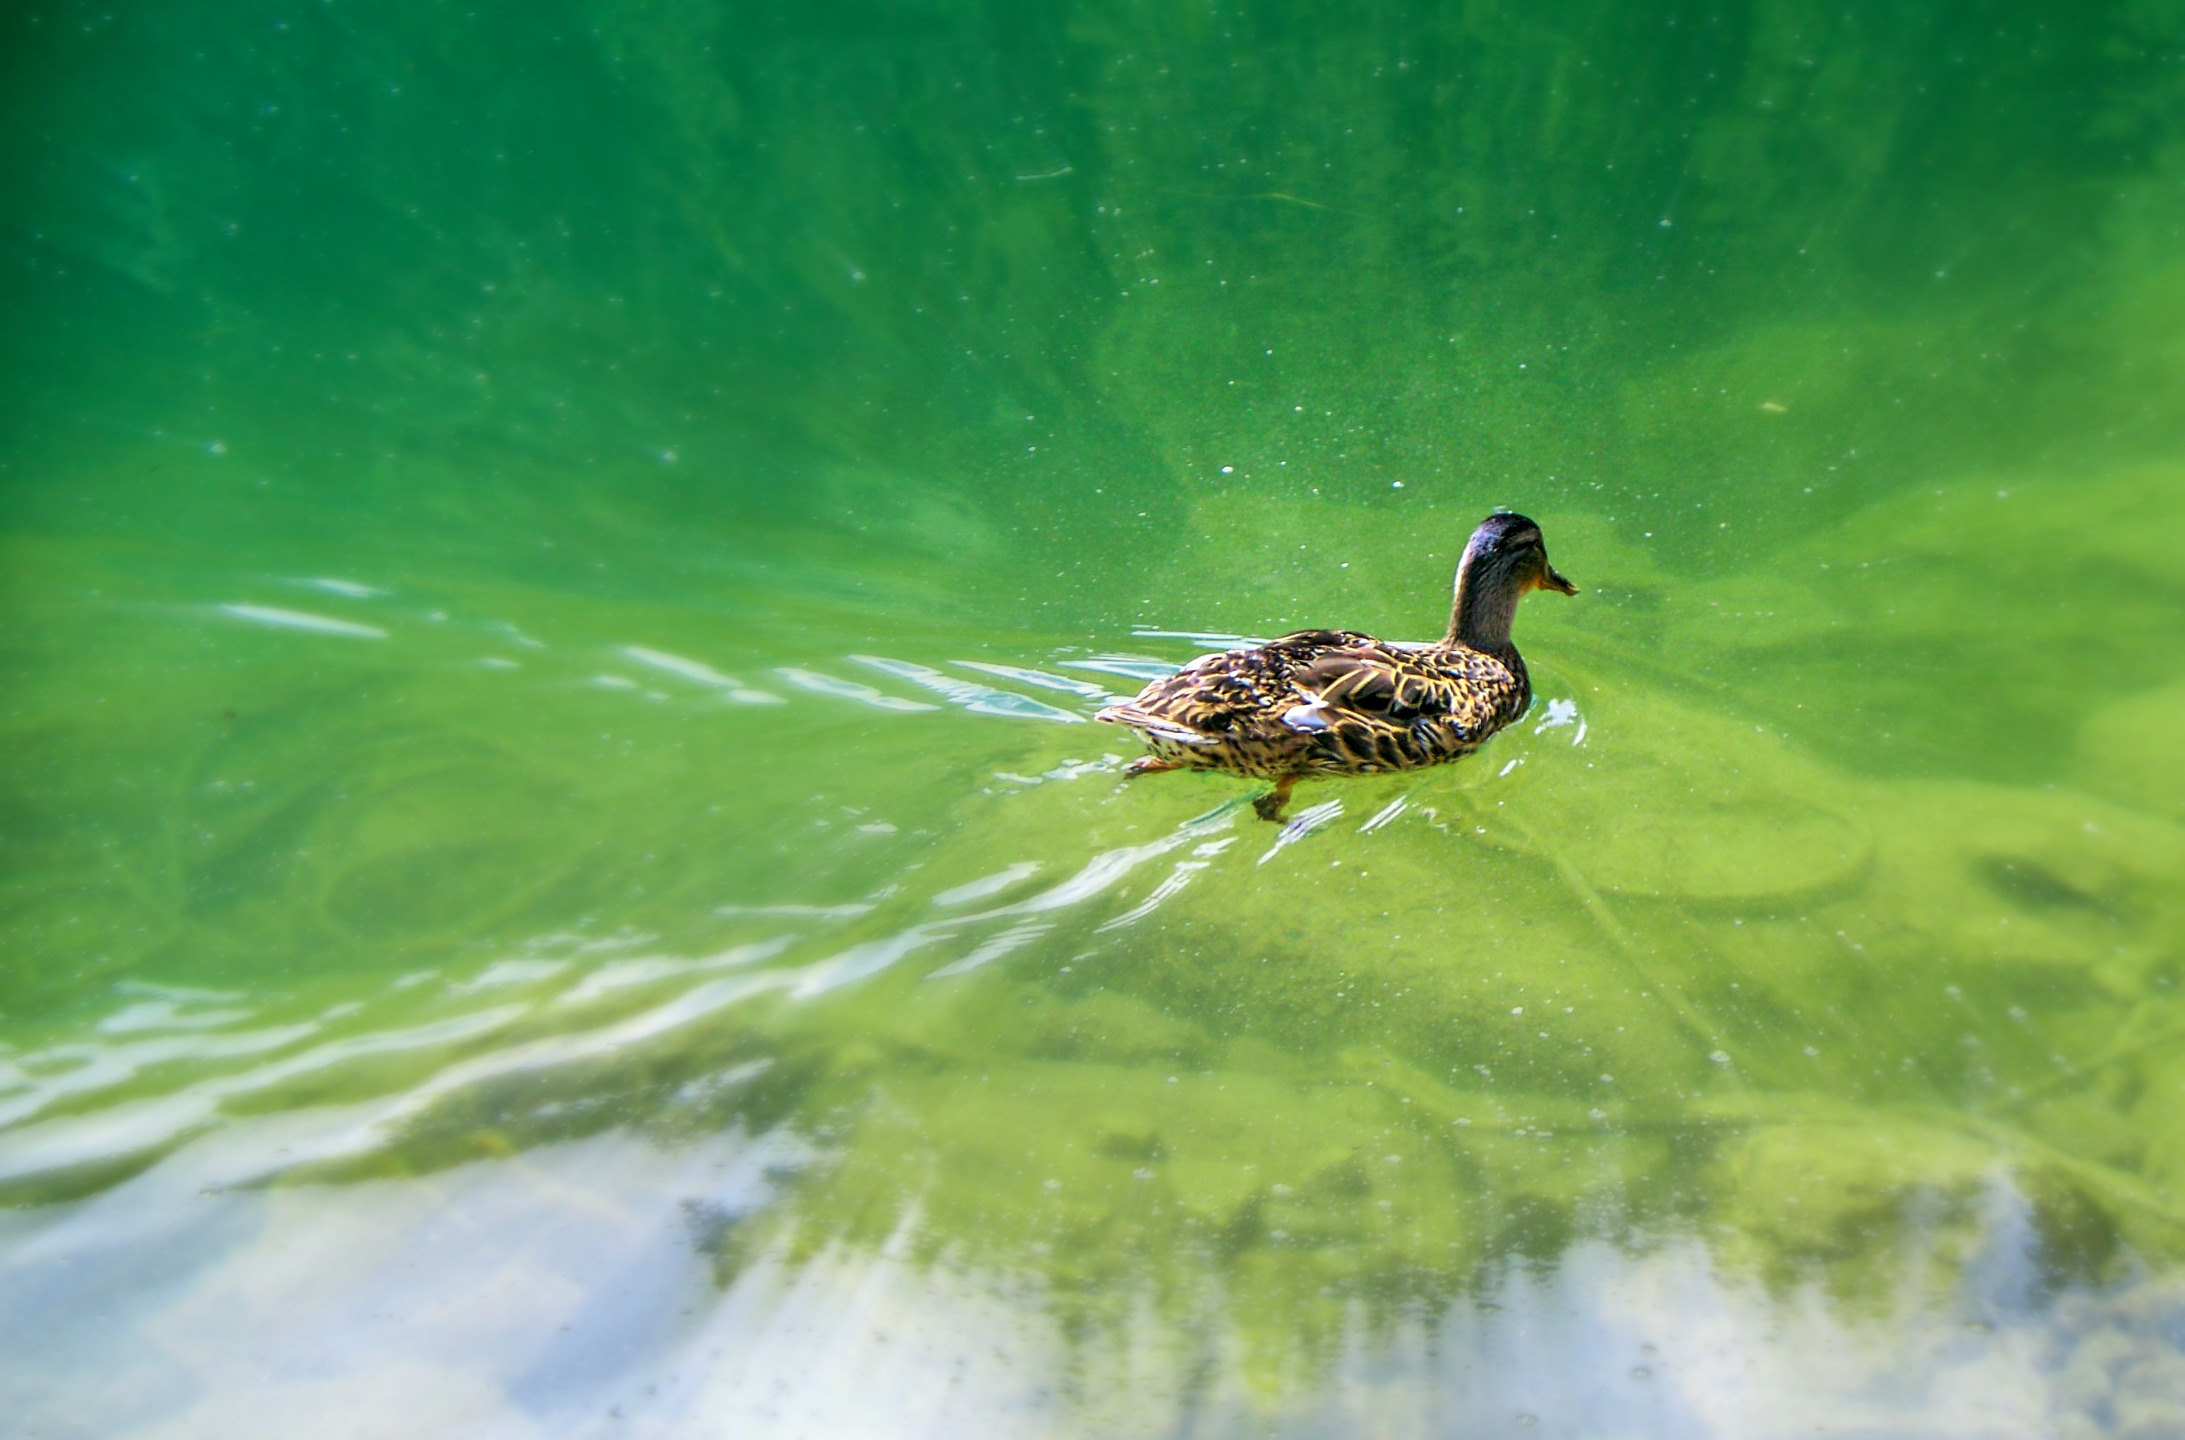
x=1336, y=702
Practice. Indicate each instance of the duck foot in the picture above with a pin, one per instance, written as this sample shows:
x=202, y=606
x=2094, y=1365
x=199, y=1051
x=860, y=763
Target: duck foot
x=1149, y=765
x=1269, y=806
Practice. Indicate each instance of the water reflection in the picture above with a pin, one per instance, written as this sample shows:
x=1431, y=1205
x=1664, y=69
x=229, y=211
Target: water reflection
x=569, y=1288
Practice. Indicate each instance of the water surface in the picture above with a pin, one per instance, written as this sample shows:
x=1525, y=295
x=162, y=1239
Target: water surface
x=558, y=876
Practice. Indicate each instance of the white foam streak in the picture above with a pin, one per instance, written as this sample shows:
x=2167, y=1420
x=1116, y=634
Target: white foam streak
x=132, y=1127
x=1204, y=637
x=165, y=1015
x=1098, y=875
x=694, y=670
x=698, y=672
x=1131, y=666
x=1301, y=825
x=303, y=620
x=348, y=589
x=100, y=1067
x=861, y=962
x=820, y=684
x=564, y=1049
x=644, y=970
x=114, y=1133
x=987, y=885
x=1016, y=937
x=350, y=1047
x=180, y=994
x=1046, y=680
x=1177, y=879
x=1385, y=814
x=510, y=972
x=978, y=699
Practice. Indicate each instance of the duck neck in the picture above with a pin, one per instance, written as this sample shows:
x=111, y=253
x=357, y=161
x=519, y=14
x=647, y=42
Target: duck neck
x=1486, y=603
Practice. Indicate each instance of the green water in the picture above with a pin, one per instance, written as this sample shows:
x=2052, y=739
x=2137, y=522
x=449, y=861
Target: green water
x=554, y=565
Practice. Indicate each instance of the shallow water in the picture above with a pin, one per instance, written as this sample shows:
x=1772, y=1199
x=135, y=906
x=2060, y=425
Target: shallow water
x=559, y=881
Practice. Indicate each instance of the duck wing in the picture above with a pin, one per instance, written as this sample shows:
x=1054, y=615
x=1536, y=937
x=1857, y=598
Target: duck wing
x=1235, y=693
x=1465, y=695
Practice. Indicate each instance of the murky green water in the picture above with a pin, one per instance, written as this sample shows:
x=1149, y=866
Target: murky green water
x=557, y=882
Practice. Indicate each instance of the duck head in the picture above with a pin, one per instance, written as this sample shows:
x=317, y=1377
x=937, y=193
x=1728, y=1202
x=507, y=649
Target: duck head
x=1505, y=558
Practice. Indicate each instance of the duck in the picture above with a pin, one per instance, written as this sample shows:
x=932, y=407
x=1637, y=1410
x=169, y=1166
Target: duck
x=1341, y=702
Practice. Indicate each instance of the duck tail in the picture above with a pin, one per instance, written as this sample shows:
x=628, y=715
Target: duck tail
x=1156, y=727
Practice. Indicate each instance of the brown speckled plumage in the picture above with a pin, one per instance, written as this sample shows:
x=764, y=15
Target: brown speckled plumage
x=1337, y=702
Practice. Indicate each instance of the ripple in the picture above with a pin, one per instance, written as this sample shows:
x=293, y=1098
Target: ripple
x=1386, y=814
x=822, y=684
x=1220, y=638
x=1178, y=877
x=275, y=616
x=88, y=1105
x=987, y=885
x=83, y=1068
x=1045, y=679
x=1134, y=667
x=819, y=912
x=978, y=699
x=650, y=969
x=1015, y=938
x=347, y=589
x=1302, y=824
x=700, y=673
x=511, y=972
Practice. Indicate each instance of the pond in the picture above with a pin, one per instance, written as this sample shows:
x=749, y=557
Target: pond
x=560, y=880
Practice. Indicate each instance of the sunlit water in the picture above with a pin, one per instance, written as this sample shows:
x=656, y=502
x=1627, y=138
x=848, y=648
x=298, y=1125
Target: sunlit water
x=559, y=879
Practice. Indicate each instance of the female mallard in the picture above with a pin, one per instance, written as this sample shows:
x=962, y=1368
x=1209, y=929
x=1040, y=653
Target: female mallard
x=1335, y=702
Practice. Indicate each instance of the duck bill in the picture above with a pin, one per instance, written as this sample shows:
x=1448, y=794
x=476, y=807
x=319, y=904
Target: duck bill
x=1554, y=580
